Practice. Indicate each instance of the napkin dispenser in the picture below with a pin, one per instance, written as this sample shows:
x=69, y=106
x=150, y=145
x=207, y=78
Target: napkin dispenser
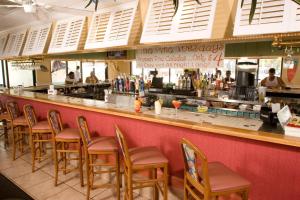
x=267, y=116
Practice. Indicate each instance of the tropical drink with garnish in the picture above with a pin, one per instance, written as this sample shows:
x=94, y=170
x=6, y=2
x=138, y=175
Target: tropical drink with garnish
x=176, y=105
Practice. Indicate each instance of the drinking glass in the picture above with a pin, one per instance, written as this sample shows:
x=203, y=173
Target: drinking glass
x=176, y=105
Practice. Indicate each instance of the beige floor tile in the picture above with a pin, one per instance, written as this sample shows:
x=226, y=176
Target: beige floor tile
x=6, y=163
x=97, y=181
x=46, y=189
x=17, y=170
x=32, y=179
x=70, y=194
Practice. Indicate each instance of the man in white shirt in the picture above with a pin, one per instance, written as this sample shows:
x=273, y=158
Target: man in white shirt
x=77, y=75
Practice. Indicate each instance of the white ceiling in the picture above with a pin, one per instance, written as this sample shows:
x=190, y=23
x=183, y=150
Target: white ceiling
x=49, y=10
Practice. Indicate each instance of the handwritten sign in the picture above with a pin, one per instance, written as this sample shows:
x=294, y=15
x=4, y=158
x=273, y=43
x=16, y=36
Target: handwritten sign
x=183, y=56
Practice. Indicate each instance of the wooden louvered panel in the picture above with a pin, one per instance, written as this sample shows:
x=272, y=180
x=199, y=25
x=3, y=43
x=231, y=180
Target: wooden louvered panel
x=3, y=39
x=120, y=24
x=67, y=35
x=298, y=14
x=36, y=40
x=111, y=26
x=15, y=43
x=98, y=28
x=160, y=19
x=58, y=36
x=271, y=16
x=192, y=21
x=194, y=17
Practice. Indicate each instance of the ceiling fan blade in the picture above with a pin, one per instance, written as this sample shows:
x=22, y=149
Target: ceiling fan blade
x=11, y=6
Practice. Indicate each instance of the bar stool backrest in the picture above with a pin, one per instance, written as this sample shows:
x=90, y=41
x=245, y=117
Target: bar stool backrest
x=84, y=130
x=195, y=166
x=13, y=109
x=123, y=145
x=2, y=108
x=54, y=121
x=30, y=115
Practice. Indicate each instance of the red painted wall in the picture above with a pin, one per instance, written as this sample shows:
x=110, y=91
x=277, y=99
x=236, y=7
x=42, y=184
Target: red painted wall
x=274, y=170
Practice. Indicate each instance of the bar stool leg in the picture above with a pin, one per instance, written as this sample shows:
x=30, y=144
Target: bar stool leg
x=80, y=165
x=129, y=182
x=55, y=164
x=166, y=182
x=118, y=175
x=64, y=157
x=14, y=142
x=33, y=152
x=153, y=175
x=88, y=183
x=245, y=195
x=185, y=192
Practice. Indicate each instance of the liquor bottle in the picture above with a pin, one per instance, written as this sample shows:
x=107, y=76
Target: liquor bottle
x=120, y=84
x=188, y=83
x=116, y=85
x=127, y=85
x=183, y=83
x=179, y=82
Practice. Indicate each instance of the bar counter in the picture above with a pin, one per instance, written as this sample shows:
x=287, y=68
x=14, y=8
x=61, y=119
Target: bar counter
x=270, y=161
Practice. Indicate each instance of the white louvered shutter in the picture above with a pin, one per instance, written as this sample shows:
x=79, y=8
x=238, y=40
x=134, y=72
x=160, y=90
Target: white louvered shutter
x=36, y=40
x=192, y=21
x=294, y=22
x=271, y=16
x=67, y=35
x=15, y=42
x=111, y=26
x=3, y=39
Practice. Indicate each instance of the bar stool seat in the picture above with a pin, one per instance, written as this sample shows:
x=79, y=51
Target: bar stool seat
x=223, y=179
x=68, y=134
x=4, y=116
x=146, y=156
x=41, y=126
x=20, y=121
x=102, y=144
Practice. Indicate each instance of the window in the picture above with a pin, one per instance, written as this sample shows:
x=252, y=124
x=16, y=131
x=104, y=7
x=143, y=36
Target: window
x=175, y=73
x=266, y=64
x=98, y=67
x=229, y=65
x=19, y=76
x=134, y=70
x=58, y=71
x=72, y=65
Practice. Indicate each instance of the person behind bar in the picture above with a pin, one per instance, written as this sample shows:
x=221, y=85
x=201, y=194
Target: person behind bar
x=70, y=78
x=228, y=81
x=92, y=78
x=272, y=81
x=77, y=75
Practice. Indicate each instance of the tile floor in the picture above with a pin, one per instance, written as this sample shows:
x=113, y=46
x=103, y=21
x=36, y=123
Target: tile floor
x=40, y=184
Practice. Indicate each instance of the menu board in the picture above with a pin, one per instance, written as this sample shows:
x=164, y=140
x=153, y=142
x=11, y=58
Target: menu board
x=183, y=56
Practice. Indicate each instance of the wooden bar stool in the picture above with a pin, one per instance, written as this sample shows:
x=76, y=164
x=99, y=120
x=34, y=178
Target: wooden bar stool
x=62, y=139
x=5, y=119
x=206, y=181
x=39, y=131
x=95, y=147
x=143, y=159
x=18, y=126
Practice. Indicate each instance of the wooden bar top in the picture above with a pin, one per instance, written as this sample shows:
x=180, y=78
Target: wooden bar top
x=112, y=109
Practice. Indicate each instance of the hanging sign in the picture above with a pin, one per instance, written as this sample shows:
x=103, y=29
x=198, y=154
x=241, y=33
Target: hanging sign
x=183, y=56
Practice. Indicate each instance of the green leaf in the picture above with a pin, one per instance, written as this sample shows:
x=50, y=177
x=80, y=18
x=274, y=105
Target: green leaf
x=89, y=3
x=252, y=10
x=242, y=3
x=296, y=1
x=176, y=4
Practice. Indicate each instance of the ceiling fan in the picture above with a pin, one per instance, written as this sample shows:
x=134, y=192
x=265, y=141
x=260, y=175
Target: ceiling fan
x=36, y=7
